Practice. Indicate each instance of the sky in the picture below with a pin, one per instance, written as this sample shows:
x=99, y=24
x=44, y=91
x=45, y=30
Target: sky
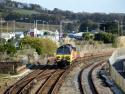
x=104, y=6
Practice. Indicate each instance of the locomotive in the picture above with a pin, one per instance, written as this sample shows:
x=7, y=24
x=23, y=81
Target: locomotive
x=65, y=55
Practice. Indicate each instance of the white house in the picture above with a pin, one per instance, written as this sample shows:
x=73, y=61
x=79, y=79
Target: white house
x=20, y=5
x=19, y=34
x=52, y=35
x=7, y=35
x=56, y=37
x=35, y=33
x=78, y=34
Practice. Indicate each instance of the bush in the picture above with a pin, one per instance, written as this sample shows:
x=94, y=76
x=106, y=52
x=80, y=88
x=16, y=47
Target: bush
x=42, y=46
x=9, y=48
x=105, y=37
x=87, y=36
x=1, y=48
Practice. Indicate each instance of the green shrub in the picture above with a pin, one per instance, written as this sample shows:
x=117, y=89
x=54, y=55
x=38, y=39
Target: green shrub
x=42, y=46
x=87, y=36
x=105, y=37
x=9, y=48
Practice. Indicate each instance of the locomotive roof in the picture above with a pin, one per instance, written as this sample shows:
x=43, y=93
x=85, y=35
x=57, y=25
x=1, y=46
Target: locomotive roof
x=66, y=45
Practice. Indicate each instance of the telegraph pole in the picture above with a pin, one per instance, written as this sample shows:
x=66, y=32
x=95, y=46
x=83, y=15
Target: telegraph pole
x=34, y=24
x=60, y=27
x=61, y=22
x=14, y=26
x=1, y=29
x=7, y=27
x=60, y=33
x=1, y=24
x=47, y=26
x=43, y=24
x=104, y=28
x=118, y=26
x=121, y=28
x=98, y=27
x=87, y=29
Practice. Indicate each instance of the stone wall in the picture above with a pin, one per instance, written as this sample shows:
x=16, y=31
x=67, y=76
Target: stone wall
x=10, y=67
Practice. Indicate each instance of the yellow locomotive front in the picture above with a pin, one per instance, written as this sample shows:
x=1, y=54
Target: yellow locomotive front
x=65, y=55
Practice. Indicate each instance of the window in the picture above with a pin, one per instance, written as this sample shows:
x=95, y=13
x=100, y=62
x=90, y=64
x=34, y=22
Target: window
x=63, y=50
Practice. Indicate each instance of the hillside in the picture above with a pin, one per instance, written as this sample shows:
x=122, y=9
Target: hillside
x=25, y=11
x=28, y=13
x=22, y=26
x=17, y=10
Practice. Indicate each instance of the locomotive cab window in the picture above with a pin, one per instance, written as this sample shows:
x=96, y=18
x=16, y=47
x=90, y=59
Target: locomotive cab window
x=63, y=50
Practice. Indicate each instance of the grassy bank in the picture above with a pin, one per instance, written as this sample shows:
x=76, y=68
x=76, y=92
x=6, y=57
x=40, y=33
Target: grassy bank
x=21, y=26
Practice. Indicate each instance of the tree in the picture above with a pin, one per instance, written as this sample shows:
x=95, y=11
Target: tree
x=42, y=46
x=56, y=15
x=110, y=27
x=69, y=27
x=9, y=48
x=2, y=48
x=35, y=7
x=87, y=24
x=105, y=37
x=46, y=33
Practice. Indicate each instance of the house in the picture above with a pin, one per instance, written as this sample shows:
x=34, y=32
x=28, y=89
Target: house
x=44, y=34
x=35, y=33
x=20, y=5
x=51, y=35
x=77, y=36
x=19, y=35
x=7, y=35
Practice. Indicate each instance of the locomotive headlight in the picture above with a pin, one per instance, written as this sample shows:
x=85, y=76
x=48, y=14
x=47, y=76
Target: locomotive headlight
x=67, y=58
x=58, y=57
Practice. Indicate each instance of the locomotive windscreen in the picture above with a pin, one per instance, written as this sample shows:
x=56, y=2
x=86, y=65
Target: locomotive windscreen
x=63, y=50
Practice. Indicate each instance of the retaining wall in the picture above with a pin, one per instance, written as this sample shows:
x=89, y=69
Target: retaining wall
x=11, y=67
x=120, y=81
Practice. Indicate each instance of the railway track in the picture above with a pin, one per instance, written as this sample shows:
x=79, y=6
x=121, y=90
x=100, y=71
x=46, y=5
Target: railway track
x=49, y=84
x=23, y=84
x=86, y=84
x=49, y=79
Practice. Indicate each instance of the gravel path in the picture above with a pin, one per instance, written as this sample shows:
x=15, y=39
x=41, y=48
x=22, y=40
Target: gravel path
x=70, y=85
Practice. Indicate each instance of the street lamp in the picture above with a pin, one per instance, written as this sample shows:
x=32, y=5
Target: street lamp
x=1, y=27
x=36, y=23
x=14, y=25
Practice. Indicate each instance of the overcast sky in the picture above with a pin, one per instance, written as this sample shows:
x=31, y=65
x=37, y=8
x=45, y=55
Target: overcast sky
x=107, y=6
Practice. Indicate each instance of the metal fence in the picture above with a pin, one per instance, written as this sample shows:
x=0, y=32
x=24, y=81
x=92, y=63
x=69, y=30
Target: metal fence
x=120, y=81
